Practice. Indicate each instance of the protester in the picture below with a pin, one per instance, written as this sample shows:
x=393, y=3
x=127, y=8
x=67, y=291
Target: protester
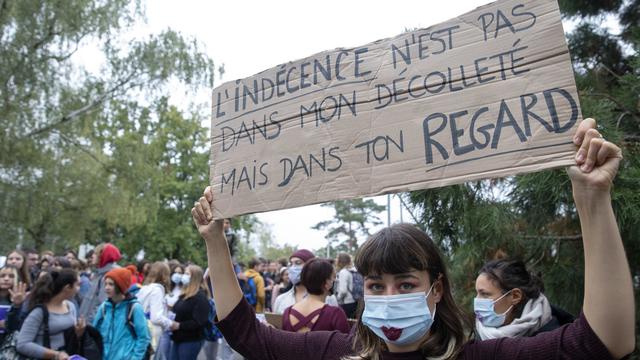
x=50, y=299
x=120, y=319
x=154, y=303
x=12, y=295
x=283, y=285
x=46, y=262
x=298, y=291
x=254, y=273
x=312, y=313
x=105, y=257
x=408, y=304
x=71, y=255
x=177, y=270
x=509, y=302
x=142, y=269
x=192, y=315
x=345, y=287
x=18, y=259
x=32, y=262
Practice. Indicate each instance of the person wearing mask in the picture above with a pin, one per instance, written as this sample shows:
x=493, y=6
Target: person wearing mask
x=509, y=302
x=177, y=270
x=12, y=295
x=52, y=293
x=283, y=286
x=254, y=273
x=120, y=320
x=192, y=315
x=298, y=291
x=105, y=257
x=18, y=259
x=345, y=281
x=154, y=303
x=409, y=311
x=312, y=313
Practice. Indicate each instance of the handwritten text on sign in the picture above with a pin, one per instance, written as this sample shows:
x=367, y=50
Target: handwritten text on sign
x=490, y=93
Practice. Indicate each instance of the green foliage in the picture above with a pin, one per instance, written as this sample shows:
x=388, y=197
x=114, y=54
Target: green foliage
x=352, y=217
x=98, y=156
x=533, y=216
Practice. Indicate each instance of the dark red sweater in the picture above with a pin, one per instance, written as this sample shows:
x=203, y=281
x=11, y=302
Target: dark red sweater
x=257, y=341
x=329, y=318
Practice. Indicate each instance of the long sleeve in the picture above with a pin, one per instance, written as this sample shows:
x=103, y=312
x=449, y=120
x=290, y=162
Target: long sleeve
x=158, y=309
x=13, y=319
x=26, y=343
x=340, y=322
x=344, y=279
x=199, y=314
x=260, y=293
x=255, y=340
x=573, y=341
x=142, y=338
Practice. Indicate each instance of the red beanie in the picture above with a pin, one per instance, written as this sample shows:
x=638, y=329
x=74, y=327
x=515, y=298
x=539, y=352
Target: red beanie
x=303, y=254
x=122, y=278
x=110, y=253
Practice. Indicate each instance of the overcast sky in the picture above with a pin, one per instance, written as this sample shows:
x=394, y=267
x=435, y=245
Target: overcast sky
x=251, y=36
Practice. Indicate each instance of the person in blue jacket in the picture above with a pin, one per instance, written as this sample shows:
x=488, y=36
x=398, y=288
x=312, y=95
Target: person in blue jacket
x=121, y=320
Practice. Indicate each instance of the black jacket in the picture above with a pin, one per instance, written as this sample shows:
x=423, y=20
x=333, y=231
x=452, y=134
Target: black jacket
x=193, y=315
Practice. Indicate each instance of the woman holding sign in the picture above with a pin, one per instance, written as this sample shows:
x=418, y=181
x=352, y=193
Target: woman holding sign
x=408, y=306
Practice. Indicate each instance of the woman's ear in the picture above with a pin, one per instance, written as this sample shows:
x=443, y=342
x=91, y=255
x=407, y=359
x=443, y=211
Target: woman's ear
x=438, y=288
x=516, y=296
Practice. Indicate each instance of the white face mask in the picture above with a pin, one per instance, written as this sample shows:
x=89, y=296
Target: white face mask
x=176, y=278
x=186, y=279
x=486, y=314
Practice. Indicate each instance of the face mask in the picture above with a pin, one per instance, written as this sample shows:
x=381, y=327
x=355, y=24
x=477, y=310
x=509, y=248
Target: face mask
x=486, y=314
x=294, y=274
x=176, y=278
x=186, y=279
x=398, y=319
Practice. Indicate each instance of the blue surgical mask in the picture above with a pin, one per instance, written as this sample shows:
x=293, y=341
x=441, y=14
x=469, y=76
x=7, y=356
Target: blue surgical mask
x=176, y=278
x=294, y=274
x=398, y=319
x=486, y=314
x=186, y=279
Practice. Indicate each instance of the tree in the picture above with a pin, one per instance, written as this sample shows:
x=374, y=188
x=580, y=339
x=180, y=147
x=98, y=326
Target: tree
x=352, y=217
x=533, y=217
x=76, y=160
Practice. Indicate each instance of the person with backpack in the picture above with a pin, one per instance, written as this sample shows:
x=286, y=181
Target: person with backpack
x=104, y=258
x=345, y=287
x=297, y=291
x=51, y=313
x=192, y=315
x=121, y=321
x=253, y=274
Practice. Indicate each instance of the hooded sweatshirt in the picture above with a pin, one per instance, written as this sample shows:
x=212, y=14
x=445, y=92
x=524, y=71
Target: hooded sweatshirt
x=260, y=292
x=96, y=294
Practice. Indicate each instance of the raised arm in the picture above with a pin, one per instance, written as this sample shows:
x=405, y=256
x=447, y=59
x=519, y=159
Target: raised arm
x=227, y=293
x=608, y=291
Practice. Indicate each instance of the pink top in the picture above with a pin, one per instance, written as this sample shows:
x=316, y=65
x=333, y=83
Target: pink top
x=329, y=318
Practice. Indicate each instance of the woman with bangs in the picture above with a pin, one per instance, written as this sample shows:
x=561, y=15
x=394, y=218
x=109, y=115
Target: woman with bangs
x=12, y=295
x=18, y=259
x=409, y=311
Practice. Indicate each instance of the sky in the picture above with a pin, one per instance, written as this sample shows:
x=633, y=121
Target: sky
x=251, y=36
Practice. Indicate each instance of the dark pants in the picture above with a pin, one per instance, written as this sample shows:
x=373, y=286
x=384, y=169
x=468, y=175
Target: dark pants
x=350, y=309
x=185, y=350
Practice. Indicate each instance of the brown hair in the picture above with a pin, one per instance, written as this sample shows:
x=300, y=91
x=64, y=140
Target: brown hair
x=315, y=274
x=400, y=249
x=344, y=260
x=196, y=282
x=159, y=273
x=23, y=271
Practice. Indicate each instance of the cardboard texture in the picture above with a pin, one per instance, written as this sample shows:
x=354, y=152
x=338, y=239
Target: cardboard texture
x=488, y=94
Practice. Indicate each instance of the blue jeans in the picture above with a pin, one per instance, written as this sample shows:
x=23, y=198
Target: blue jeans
x=185, y=350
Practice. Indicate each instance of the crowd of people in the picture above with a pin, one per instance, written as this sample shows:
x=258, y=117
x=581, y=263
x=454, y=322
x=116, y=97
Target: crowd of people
x=394, y=301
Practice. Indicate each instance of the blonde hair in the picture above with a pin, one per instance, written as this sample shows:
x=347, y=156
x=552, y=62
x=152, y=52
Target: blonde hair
x=14, y=270
x=159, y=273
x=195, y=283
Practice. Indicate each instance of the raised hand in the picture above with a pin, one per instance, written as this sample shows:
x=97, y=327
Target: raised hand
x=18, y=293
x=597, y=160
x=202, y=214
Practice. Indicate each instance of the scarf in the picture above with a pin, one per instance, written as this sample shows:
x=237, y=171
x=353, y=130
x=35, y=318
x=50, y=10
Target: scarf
x=536, y=313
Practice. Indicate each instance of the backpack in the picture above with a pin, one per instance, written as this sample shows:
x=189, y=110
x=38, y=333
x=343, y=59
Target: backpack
x=249, y=291
x=89, y=345
x=357, y=285
x=8, y=348
x=211, y=332
x=130, y=326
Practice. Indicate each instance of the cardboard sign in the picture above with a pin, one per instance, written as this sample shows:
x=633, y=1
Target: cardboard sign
x=490, y=93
